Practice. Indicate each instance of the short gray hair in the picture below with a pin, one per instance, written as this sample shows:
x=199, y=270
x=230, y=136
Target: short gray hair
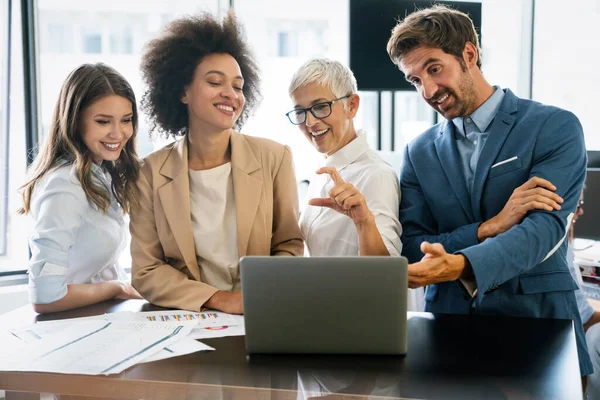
x=330, y=73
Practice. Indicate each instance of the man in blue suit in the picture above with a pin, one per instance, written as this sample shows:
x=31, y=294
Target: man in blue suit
x=488, y=194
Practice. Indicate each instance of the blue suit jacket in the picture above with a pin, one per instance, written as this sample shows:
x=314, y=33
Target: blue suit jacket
x=522, y=272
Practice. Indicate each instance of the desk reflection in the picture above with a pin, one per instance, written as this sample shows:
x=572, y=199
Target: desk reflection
x=449, y=357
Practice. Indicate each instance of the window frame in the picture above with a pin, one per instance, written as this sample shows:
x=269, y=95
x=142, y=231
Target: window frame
x=29, y=57
x=5, y=128
x=30, y=77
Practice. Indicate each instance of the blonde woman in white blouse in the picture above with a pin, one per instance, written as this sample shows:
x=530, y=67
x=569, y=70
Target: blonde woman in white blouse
x=355, y=195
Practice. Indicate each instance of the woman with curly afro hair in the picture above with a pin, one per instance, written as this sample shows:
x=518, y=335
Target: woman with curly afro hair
x=214, y=195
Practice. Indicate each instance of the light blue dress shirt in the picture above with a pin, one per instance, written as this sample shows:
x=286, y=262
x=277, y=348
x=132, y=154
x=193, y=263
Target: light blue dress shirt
x=472, y=132
x=72, y=241
x=585, y=308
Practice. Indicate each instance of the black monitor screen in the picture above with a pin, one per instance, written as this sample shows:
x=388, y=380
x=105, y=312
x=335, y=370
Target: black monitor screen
x=588, y=225
x=371, y=23
x=593, y=159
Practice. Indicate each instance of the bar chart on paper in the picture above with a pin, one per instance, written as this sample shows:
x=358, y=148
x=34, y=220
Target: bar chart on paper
x=204, y=319
x=167, y=317
x=209, y=324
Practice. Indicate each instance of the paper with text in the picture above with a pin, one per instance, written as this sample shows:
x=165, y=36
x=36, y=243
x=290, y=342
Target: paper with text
x=94, y=347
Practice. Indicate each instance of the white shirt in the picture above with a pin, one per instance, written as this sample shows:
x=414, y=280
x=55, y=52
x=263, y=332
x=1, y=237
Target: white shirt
x=214, y=225
x=329, y=233
x=586, y=311
x=72, y=240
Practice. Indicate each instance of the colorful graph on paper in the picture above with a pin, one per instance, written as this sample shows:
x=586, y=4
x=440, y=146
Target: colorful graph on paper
x=205, y=316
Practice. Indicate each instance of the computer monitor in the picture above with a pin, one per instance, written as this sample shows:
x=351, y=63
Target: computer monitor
x=372, y=22
x=588, y=225
x=593, y=159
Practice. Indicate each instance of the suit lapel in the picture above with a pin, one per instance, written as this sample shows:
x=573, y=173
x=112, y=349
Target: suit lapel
x=175, y=199
x=247, y=188
x=447, y=152
x=499, y=131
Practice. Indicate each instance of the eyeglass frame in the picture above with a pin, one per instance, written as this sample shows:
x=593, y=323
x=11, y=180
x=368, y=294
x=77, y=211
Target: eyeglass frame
x=330, y=103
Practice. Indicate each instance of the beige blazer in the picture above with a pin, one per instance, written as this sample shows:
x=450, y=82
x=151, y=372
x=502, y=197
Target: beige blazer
x=165, y=270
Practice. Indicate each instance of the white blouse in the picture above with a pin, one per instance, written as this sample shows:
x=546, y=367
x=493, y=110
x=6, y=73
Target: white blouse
x=329, y=233
x=214, y=225
x=72, y=241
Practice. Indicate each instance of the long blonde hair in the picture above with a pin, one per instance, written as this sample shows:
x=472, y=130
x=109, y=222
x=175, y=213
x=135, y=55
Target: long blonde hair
x=64, y=145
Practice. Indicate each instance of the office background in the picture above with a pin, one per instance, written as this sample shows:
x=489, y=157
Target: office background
x=541, y=49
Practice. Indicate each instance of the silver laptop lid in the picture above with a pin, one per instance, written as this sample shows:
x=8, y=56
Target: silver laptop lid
x=337, y=305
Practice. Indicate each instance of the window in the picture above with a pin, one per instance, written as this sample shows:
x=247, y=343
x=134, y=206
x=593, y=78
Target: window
x=111, y=34
x=564, y=60
x=4, y=104
x=121, y=41
x=283, y=36
x=57, y=33
x=58, y=38
x=287, y=45
x=13, y=228
x=296, y=38
x=91, y=41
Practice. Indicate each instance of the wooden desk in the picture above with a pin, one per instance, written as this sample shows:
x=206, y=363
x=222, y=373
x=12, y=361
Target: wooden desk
x=449, y=357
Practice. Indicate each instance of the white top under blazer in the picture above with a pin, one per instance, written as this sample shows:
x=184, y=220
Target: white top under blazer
x=215, y=228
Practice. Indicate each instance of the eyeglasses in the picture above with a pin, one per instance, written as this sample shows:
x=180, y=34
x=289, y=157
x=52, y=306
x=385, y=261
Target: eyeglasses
x=319, y=110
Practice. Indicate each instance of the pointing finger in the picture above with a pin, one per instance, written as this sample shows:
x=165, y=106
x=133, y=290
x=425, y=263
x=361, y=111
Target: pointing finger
x=333, y=173
x=322, y=202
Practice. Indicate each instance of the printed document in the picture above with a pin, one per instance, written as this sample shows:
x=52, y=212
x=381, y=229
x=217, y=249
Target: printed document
x=94, y=347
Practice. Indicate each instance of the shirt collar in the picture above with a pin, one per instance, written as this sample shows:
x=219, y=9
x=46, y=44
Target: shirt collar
x=349, y=153
x=101, y=174
x=485, y=114
x=97, y=169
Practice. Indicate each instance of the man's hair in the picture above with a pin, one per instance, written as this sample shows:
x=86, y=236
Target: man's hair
x=329, y=73
x=436, y=27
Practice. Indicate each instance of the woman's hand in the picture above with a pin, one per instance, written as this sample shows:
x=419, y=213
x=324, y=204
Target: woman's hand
x=125, y=291
x=83, y=294
x=344, y=198
x=230, y=303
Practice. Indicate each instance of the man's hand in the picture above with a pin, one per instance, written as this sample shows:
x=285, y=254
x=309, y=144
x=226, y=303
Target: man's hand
x=344, y=198
x=535, y=194
x=437, y=266
x=230, y=303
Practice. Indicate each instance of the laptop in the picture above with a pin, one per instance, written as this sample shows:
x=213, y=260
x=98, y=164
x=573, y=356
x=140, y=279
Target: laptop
x=325, y=305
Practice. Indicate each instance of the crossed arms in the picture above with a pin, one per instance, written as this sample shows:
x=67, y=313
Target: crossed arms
x=530, y=227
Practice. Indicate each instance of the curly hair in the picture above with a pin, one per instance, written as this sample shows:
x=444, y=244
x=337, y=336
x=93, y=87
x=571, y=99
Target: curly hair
x=169, y=62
